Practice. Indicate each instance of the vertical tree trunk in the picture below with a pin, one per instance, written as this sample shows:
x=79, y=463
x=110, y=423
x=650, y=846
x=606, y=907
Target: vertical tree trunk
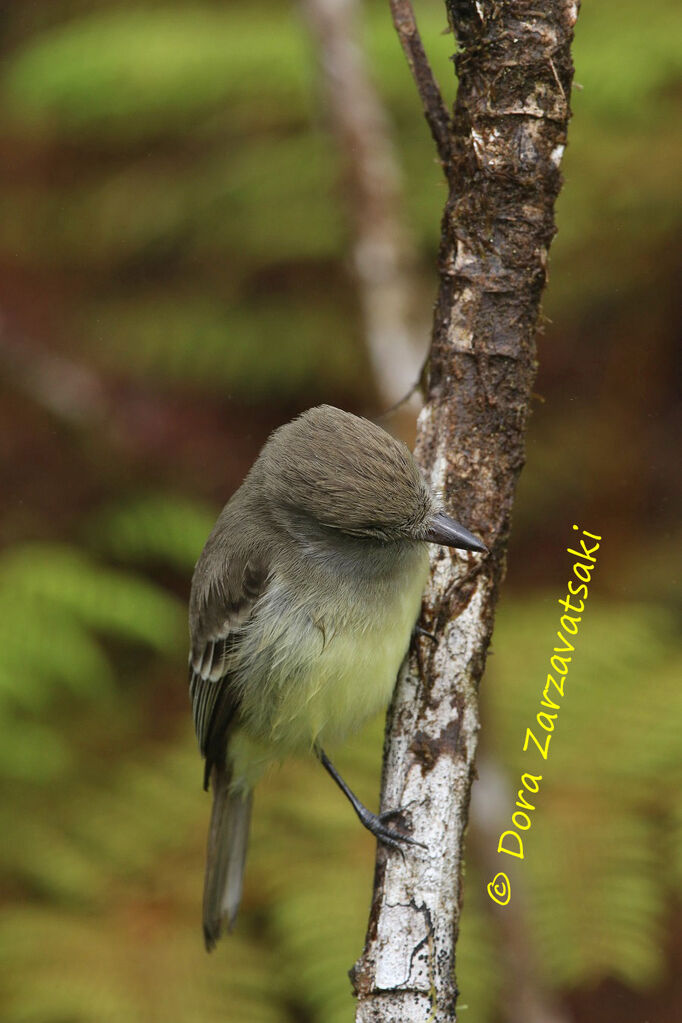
x=501, y=153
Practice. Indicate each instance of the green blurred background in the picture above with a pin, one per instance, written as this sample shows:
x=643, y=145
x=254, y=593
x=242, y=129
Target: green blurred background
x=174, y=282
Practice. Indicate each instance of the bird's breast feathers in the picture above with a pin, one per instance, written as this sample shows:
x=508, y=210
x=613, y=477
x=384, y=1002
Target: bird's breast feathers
x=315, y=670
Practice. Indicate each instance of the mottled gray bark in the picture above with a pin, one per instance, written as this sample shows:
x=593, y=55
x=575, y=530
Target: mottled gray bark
x=501, y=159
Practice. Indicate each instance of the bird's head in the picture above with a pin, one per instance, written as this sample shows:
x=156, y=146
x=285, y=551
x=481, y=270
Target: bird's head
x=334, y=470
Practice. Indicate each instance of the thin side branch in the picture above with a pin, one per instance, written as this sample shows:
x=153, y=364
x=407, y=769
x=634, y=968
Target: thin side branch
x=435, y=111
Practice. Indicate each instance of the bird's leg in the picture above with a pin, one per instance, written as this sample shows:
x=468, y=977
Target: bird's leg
x=376, y=823
x=418, y=631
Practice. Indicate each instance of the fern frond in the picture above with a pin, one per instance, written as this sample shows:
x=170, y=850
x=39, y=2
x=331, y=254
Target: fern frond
x=95, y=595
x=164, y=528
x=53, y=602
x=595, y=865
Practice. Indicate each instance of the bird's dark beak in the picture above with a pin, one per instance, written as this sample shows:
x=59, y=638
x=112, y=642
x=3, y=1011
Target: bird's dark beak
x=445, y=530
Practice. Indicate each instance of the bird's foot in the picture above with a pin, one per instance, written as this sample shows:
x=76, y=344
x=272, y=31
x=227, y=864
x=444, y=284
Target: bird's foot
x=418, y=631
x=376, y=823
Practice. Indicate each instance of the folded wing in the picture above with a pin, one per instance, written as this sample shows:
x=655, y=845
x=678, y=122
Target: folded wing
x=220, y=616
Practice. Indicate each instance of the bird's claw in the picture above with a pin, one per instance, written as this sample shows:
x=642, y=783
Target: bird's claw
x=386, y=815
x=394, y=839
x=418, y=631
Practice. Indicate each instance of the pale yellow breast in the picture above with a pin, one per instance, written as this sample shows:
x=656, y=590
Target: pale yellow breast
x=329, y=678
x=360, y=668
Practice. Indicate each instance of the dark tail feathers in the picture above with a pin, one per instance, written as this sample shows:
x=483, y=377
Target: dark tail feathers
x=228, y=838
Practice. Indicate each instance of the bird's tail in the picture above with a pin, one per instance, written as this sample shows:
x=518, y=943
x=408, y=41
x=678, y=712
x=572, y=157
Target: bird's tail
x=228, y=836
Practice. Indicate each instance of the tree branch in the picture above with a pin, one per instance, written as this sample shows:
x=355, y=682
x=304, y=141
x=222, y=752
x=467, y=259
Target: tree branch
x=435, y=111
x=507, y=139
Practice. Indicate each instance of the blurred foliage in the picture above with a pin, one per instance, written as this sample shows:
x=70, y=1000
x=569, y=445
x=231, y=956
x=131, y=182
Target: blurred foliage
x=52, y=601
x=174, y=216
x=133, y=73
x=153, y=528
x=118, y=912
x=254, y=184
x=604, y=802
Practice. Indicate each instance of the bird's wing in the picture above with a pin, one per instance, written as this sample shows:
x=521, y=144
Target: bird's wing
x=217, y=630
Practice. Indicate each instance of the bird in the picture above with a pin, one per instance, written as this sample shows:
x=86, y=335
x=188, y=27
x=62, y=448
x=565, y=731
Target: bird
x=302, y=607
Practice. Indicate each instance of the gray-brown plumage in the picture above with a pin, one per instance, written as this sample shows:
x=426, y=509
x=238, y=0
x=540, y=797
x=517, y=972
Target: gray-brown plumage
x=302, y=605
